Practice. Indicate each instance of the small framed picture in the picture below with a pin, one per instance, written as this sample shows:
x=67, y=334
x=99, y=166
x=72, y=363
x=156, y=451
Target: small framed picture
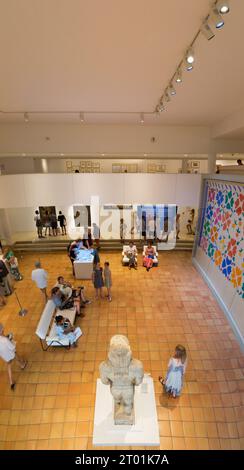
x=195, y=164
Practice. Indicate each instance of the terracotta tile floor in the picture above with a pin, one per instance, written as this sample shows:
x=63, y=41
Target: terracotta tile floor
x=53, y=404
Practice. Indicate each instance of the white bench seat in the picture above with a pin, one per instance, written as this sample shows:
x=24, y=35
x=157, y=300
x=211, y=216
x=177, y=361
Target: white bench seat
x=46, y=326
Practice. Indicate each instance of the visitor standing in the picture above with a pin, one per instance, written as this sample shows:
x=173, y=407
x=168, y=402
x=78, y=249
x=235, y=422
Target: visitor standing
x=39, y=276
x=107, y=279
x=8, y=354
x=37, y=220
x=173, y=381
x=4, y=278
x=96, y=234
x=62, y=222
x=97, y=278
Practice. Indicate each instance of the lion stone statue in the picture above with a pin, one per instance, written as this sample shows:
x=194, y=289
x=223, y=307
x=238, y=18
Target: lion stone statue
x=122, y=373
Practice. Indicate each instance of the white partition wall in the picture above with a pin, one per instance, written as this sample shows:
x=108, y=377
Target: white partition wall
x=65, y=190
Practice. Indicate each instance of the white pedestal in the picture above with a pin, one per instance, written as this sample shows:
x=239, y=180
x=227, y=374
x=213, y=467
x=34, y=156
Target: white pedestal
x=83, y=270
x=145, y=430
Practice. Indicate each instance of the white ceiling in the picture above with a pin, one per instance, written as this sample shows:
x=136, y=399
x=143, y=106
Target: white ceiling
x=106, y=56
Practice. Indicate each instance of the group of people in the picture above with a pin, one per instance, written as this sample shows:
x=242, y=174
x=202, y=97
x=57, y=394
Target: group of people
x=148, y=257
x=102, y=277
x=49, y=222
x=65, y=296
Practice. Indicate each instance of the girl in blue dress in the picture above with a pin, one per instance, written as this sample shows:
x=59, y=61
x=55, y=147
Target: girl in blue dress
x=173, y=381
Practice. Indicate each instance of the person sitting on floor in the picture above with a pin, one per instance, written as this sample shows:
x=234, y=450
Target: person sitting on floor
x=64, y=330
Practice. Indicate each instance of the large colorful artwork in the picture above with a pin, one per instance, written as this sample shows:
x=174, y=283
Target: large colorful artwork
x=222, y=231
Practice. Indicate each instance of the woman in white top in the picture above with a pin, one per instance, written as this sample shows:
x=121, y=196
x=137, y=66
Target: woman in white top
x=8, y=354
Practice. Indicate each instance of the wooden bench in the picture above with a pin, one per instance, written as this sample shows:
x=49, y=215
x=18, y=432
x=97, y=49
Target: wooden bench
x=46, y=327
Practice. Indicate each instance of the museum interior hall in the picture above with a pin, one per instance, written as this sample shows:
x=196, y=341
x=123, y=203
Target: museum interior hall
x=121, y=225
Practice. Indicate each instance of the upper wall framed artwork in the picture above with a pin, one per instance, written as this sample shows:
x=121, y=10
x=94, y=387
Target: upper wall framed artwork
x=195, y=164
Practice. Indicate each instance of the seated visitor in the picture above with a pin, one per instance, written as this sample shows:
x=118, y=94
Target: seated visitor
x=65, y=330
x=149, y=256
x=71, y=292
x=61, y=302
x=131, y=253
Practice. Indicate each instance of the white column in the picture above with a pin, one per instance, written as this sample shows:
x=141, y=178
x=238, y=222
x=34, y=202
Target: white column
x=184, y=165
x=212, y=163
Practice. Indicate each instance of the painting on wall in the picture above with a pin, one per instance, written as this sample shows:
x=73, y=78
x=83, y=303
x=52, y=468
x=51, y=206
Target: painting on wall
x=222, y=227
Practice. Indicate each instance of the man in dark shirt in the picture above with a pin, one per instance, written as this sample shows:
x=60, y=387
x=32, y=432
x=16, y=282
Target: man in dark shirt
x=4, y=279
x=62, y=222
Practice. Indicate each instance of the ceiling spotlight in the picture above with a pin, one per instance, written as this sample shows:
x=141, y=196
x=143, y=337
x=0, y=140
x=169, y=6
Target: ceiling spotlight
x=171, y=90
x=160, y=108
x=189, y=67
x=82, y=118
x=223, y=6
x=178, y=76
x=190, y=56
x=207, y=31
x=217, y=19
x=142, y=118
x=26, y=117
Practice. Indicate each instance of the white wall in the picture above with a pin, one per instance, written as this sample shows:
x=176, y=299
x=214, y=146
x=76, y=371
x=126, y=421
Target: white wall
x=75, y=138
x=18, y=191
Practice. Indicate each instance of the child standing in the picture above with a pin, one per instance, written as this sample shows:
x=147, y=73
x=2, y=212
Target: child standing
x=173, y=381
x=108, y=279
x=97, y=278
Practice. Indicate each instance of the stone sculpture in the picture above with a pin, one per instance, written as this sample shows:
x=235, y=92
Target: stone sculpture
x=122, y=373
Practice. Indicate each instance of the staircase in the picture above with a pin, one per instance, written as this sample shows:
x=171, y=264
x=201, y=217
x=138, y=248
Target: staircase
x=50, y=246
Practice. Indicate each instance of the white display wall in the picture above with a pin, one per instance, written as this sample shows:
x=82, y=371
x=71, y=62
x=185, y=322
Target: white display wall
x=18, y=191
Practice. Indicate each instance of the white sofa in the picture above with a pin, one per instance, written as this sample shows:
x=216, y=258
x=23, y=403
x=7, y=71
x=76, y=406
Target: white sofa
x=125, y=259
x=46, y=326
x=155, y=259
